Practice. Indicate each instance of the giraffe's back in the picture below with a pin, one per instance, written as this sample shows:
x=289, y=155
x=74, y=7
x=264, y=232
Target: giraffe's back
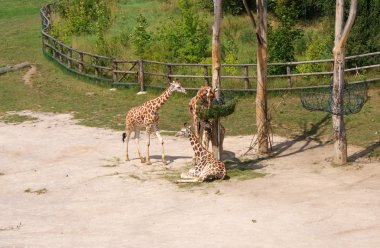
x=140, y=116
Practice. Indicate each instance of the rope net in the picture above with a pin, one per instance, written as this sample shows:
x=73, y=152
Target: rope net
x=354, y=97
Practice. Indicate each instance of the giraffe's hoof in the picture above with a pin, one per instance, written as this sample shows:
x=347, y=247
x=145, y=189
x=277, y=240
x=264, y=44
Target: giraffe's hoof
x=165, y=162
x=148, y=162
x=142, y=160
x=126, y=159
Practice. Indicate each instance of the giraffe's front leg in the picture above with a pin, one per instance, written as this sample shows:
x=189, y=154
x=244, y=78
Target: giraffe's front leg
x=147, y=148
x=162, y=144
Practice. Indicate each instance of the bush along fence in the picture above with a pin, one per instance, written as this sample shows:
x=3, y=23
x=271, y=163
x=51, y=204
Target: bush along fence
x=236, y=77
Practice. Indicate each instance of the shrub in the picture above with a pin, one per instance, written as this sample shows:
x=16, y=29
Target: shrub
x=319, y=47
x=140, y=37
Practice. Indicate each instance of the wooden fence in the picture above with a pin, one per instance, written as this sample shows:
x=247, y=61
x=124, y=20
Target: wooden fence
x=145, y=72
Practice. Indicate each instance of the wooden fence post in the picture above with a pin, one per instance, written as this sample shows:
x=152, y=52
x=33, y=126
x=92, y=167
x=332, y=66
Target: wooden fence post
x=140, y=75
x=289, y=78
x=205, y=73
x=96, y=68
x=246, y=79
x=54, y=47
x=60, y=52
x=170, y=72
x=70, y=56
x=81, y=62
x=114, y=69
x=43, y=42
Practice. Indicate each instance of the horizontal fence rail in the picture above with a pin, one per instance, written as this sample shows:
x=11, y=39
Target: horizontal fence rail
x=145, y=72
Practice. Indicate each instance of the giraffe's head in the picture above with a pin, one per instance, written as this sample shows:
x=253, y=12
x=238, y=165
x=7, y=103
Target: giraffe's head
x=184, y=132
x=207, y=94
x=176, y=86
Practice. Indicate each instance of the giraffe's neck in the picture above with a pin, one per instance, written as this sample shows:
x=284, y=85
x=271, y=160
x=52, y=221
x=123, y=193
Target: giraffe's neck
x=196, y=145
x=157, y=102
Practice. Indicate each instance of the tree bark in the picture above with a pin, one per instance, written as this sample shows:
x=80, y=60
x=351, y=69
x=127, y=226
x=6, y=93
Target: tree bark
x=216, y=66
x=260, y=29
x=13, y=67
x=341, y=36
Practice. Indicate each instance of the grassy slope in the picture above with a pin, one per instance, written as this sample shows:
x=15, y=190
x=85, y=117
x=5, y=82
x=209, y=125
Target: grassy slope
x=57, y=91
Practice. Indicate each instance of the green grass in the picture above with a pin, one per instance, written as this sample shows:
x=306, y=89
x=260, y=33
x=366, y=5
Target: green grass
x=55, y=90
x=16, y=118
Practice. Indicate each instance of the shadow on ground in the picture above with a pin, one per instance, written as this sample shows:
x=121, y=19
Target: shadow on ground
x=365, y=152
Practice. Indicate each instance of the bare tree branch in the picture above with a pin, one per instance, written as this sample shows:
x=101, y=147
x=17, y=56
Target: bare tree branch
x=252, y=17
x=347, y=28
x=349, y=23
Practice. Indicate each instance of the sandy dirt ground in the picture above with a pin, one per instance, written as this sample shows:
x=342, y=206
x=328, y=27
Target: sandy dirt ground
x=66, y=185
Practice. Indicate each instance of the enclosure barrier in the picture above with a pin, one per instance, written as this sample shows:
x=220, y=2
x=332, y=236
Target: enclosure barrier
x=141, y=72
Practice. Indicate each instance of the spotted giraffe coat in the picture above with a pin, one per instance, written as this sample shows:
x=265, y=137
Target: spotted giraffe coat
x=207, y=167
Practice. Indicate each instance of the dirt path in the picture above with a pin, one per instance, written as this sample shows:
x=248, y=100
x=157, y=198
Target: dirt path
x=27, y=78
x=65, y=185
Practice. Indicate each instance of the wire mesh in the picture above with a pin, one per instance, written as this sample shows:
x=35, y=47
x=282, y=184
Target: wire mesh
x=354, y=98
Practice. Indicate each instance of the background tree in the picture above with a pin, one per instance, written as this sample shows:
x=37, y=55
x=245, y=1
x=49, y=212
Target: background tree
x=141, y=37
x=216, y=66
x=365, y=34
x=341, y=35
x=262, y=121
x=281, y=39
x=186, y=39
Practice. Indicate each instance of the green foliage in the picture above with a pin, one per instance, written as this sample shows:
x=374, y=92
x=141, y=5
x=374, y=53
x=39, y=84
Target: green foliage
x=217, y=110
x=102, y=22
x=183, y=40
x=281, y=39
x=141, y=37
x=319, y=46
x=84, y=16
x=230, y=50
x=365, y=34
x=281, y=45
x=302, y=9
x=233, y=7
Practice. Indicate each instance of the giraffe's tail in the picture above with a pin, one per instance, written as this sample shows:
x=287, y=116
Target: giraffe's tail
x=124, y=136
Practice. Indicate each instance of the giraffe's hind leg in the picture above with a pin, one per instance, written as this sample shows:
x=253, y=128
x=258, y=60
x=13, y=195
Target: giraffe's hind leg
x=126, y=136
x=137, y=141
x=188, y=175
x=189, y=180
x=157, y=132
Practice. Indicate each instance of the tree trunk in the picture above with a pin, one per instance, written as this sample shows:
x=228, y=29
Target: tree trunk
x=261, y=94
x=341, y=35
x=216, y=65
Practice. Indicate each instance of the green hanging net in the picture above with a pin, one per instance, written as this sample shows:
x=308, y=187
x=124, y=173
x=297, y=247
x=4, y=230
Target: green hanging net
x=219, y=108
x=354, y=97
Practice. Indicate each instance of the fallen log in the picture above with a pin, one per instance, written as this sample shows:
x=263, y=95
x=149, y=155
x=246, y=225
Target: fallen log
x=9, y=68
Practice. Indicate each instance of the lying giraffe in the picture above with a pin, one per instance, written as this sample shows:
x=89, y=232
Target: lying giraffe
x=207, y=167
x=146, y=115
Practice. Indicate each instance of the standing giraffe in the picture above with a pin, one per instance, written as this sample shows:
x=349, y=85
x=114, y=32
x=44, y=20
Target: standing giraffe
x=146, y=115
x=207, y=167
x=204, y=96
x=203, y=128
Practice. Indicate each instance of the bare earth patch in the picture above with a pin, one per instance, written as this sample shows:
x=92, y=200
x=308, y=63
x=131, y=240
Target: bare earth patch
x=93, y=198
